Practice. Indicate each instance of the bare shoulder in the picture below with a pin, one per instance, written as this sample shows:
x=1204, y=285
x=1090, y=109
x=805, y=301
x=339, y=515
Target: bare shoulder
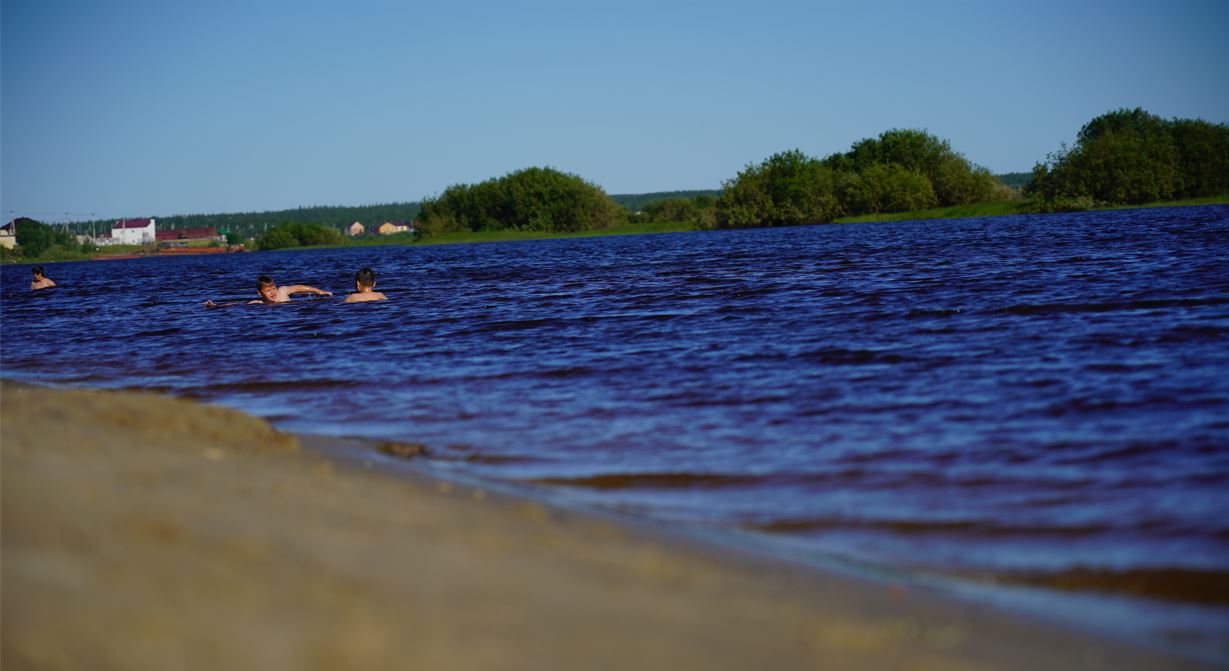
x=365, y=297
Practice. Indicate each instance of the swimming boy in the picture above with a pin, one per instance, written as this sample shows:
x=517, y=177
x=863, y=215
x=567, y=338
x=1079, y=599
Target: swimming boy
x=41, y=281
x=271, y=293
x=364, y=285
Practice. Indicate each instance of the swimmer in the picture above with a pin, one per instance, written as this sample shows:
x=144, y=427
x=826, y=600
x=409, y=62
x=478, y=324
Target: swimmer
x=270, y=293
x=364, y=285
x=41, y=281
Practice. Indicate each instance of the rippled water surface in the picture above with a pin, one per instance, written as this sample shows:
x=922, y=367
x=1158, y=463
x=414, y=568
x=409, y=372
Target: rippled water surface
x=1041, y=398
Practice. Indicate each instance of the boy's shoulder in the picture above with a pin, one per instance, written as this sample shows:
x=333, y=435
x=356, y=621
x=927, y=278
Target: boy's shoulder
x=365, y=297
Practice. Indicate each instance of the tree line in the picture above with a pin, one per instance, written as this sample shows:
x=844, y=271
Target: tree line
x=1120, y=158
x=1131, y=157
x=246, y=225
x=901, y=170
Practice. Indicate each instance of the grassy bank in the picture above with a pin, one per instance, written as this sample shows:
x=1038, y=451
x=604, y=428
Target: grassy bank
x=1009, y=207
x=510, y=235
x=991, y=209
x=59, y=253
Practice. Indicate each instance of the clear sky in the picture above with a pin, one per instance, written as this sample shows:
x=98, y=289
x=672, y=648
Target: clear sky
x=128, y=108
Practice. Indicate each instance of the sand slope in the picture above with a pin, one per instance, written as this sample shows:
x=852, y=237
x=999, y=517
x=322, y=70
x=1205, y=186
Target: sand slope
x=142, y=532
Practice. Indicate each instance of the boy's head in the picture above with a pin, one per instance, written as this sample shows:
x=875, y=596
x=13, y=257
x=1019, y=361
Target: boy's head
x=365, y=279
x=38, y=272
x=267, y=288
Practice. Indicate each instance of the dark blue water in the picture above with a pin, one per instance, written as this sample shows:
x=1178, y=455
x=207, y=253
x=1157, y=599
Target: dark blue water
x=1040, y=399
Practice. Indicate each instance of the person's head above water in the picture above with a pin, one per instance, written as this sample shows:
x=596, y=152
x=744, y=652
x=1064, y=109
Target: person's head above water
x=364, y=287
x=267, y=288
x=40, y=281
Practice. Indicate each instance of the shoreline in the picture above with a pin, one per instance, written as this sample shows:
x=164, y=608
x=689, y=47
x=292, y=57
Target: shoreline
x=143, y=531
x=955, y=212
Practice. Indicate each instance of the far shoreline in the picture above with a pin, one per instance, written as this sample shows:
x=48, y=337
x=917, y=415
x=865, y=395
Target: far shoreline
x=993, y=209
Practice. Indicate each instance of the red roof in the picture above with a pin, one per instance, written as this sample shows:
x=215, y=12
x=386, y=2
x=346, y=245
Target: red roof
x=133, y=223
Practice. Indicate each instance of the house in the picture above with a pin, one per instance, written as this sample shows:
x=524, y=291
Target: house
x=8, y=235
x=355, y=229
x=390, y=227
x=204, y=233
x=134, y=231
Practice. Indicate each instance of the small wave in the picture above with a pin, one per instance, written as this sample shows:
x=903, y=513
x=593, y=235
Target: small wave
x=159, y=332
x=1029, y=309
x=1131, y=451
x=256, y=387
x=931, y=314
x=1208, y=587
x=509, y=325
x=838, y=356
x=653, y=481
x=1194, y=334
x=969, y=528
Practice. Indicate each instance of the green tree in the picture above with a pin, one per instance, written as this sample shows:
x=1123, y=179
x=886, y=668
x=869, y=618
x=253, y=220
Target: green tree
x=299, y=235
x=34, y=237
x=1203, y=156
x=890, y=187
x=532, y=199
x=953, y=179
x=672, y=209
x=787, y=189
x=1131, y=157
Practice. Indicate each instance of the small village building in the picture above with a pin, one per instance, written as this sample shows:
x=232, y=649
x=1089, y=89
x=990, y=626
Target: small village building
x=202, y=233
x=8, y=235
x=391, y=227
x=355, y=229
x=134, y=231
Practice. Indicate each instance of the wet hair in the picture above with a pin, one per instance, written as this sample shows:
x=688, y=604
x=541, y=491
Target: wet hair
x=365, y=278
x=263, y=281
x=37, y=270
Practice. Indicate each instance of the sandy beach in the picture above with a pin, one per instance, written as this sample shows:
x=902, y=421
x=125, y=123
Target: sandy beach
x=145, y=532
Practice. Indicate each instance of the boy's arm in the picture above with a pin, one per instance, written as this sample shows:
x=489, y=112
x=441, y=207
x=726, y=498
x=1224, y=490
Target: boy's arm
x=304, y=289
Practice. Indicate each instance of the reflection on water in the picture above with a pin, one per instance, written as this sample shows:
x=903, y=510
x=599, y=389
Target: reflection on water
x=1034, y=397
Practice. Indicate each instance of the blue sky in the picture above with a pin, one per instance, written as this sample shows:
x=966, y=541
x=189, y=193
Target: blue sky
x=145, y=108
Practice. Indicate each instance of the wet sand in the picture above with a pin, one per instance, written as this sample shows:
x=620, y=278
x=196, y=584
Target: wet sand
x=144, y=532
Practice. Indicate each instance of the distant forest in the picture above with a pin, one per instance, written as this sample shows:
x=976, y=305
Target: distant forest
x=638, y=202
x=254, y=224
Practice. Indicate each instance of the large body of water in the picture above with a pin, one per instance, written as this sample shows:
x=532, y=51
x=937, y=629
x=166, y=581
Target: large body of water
x=1036, y=400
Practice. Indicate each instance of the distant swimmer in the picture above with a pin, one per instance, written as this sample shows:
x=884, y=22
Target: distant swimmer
x=41, y=281
x=364, y=285
x=270, y=293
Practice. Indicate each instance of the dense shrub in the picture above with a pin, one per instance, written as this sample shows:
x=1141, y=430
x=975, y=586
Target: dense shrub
x=299, y=235
x=35, y=239
x=787, y=189
x=898, y=171
x=1133, y=157
x=533, y=199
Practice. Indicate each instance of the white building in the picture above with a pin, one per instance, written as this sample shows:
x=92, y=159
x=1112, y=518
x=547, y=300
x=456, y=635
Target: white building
x=8, y=235
x=133, y=232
